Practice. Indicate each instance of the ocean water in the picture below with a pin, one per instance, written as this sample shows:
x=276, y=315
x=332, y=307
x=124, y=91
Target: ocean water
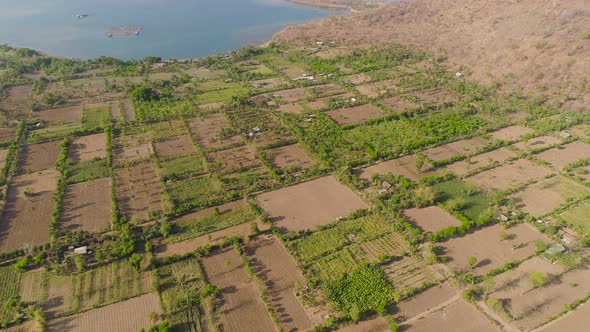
x=171, y=28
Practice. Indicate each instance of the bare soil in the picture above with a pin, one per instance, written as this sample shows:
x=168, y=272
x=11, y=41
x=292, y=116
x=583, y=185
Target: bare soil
x=87, y=206
x=289, y=96
x=458, y=148
x=88, y=147
x=490, y=250
x=573, y=321
x=26, y=219
x=374, y=90
x=290, y=156
x=566, y=154
x=354, y=115
x=174, y=147
x=512, y=133
x=404, y=166
x=486, y=159
x=138, y=190
x=269, y=83
x=38, y=157
x=509, y=175
x=357, y=78
x=207, y=132
x=129, y=315
x=126, y=110
x=234, y=159
x=290, y=108
x=430, y=298
x=71, y=114
x=581, y=131
x=15, y=104
x=430, y=219
x=397, y=105
x=435, y=96
x=277, y=270
x=3, y=156
x=458, y=316
x=310, y=204
x=537, y=143
x=132, y=153
x=241, y=307
x=374, y=324
x=7, y=134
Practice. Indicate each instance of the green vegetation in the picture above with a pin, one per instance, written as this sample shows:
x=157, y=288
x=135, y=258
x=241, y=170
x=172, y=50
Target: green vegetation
x=9, y=295
x=88, y=170
x=175, y=169
x=94, y=118
x=461, y=197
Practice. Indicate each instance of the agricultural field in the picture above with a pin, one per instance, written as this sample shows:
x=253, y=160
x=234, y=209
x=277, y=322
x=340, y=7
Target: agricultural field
x=481, y=161
x=405, y=166
x=87, y=206
x=509, y=175
x=457, y=315
x=578, y=215
x=459, y=148
x=354, y=115
x=38, y=157
x=430, y=219
x=566, y=154
x=86, y=148
x=512, y=133
x=139, y=191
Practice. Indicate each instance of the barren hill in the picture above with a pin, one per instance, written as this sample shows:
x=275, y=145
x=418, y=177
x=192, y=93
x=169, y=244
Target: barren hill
x=540, y=46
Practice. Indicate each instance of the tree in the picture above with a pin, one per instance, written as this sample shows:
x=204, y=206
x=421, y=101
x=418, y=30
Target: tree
x=355, y=313
x=165, y=228
x=21, y=264
x=135, y=261
x=537, y=279
x=472, y=261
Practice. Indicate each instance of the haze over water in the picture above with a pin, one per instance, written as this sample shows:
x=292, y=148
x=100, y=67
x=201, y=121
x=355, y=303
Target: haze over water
x=171, y=28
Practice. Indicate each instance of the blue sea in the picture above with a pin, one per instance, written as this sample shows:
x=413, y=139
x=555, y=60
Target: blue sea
x=171, y=28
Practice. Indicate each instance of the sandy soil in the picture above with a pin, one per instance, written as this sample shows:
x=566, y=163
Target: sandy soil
x=471, y=164
x=537, y=143
x=511, y=133
x=207, y=132
x=509, y=175
x=565, y=154
x=576, y=321
x=354, y=115
x=38, y=157
x=522, y=44
x=174, y=147
x=130, y=315
x=26, y=219
x=290, y=156
x=458, y=148
x=241, y=309
x=233, y=159
x=87, y=148
x=310, y=204
x=273, y=265
x=430, y=298
x=404, y=166
x=458, y=316
x=430, y=219
x=491, y=252
x=138, y=190
x=87, y=206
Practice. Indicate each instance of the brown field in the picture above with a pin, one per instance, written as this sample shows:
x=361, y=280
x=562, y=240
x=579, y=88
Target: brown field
x=490, y=250
x=132, y=153
x=132, y=140
x=292, y=108
x=431, y=298
x=31, y=286
x=327, y=90
x=512, y=133
x=458, y=148
x=138, y=190
x=430, y=219
x=436, y=95
x=3, y=156
x=581, y=131
x=290, y=156
x=60, y=291
x=87, y=147
x=174, y=147
x=471, y=164
x=509, y=175
x=397, y=105
x=375, y=89
x=458, y=316
x=207, y=132
x=537, y=143
x=71, y=114
x=87, y=206
x=187, y=246
x=547, y=195
x=38, y=157
x=211, y=106
x=125, y=111
x=409, y=272
x=574, y=321
x=17, y=101
x=7, y=134
x=241, y=309
x=129, y=315
x=269, y=83
x=26, y=219
x=530, y=306
x=290, y=95
x=354, y=115
x=317, y=104
x=233, y=159
x=565, y=154
x=277, y=270
x=404, y=166
x=357, y=78
x=310, y=204
x=374, y=324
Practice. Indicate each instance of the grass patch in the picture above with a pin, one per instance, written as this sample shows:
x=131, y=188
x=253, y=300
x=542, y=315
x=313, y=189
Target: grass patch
x=179, y=167
x=88, y=170
x=95, y=117
x=459, y=196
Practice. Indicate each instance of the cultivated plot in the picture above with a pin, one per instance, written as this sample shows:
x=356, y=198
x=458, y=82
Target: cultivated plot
x=480, y=161
x=566, y=154
x=71, y=114
x=458, y=316
x=398, y=105
x=354, y=115
x=509, y=175
x=512, y=133
x=132, y=153
x=540, y=142
x=406, y=166
x=429, y=299
x=289, y=156
x=88, y=147
x=430, y=219
x=138, y=191
x=38, y=157
x=212, y=132
x=578, y=216
x=87, y=206
x=458, y=148
x=174, y=147
x=234, y=159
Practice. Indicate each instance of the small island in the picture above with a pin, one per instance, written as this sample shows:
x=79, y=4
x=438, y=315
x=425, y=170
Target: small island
x=124, y=31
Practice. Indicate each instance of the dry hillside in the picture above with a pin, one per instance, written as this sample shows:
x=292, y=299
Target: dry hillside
x=526, y=45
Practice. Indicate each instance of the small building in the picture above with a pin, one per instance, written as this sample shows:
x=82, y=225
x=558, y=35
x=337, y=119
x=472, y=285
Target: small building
x=567, y=235
x=555, y=248
x=503, y=217
x=81, y=250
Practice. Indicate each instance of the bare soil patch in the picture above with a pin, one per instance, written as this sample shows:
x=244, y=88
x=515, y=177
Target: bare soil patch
x=241, y=309
x=208, y=132
x=404, y=166
x=547, y=195
x=7, y=134
x=71, y=114
x=132, y=153
x=430, y=298
x=458, y=316
x=573, y=321
x=581, y=131
x=458, y=148
x=129, y=315
x=436, y=96
x=479, y=161
x=38, y=157
x=234, y=159
x=310, y=204
x=509, y=175
x=123, y=109
x=490, y=250
x=397, y=105
x=430, y=219
x=290, y=95
x=290, y=108
x=373, y=90
x=357, y=78
x=290, y=156
x=375, y=324
x=277, y=270
x=269, y=83
x=88, y=147
x=138, y=190
x=512, y=133
x=87, y=206
x=16, y=102
x=537, y=143
x=174, y=147
x=566, y=154
x=27, y=216
x=3, y=156
x=354, y=115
